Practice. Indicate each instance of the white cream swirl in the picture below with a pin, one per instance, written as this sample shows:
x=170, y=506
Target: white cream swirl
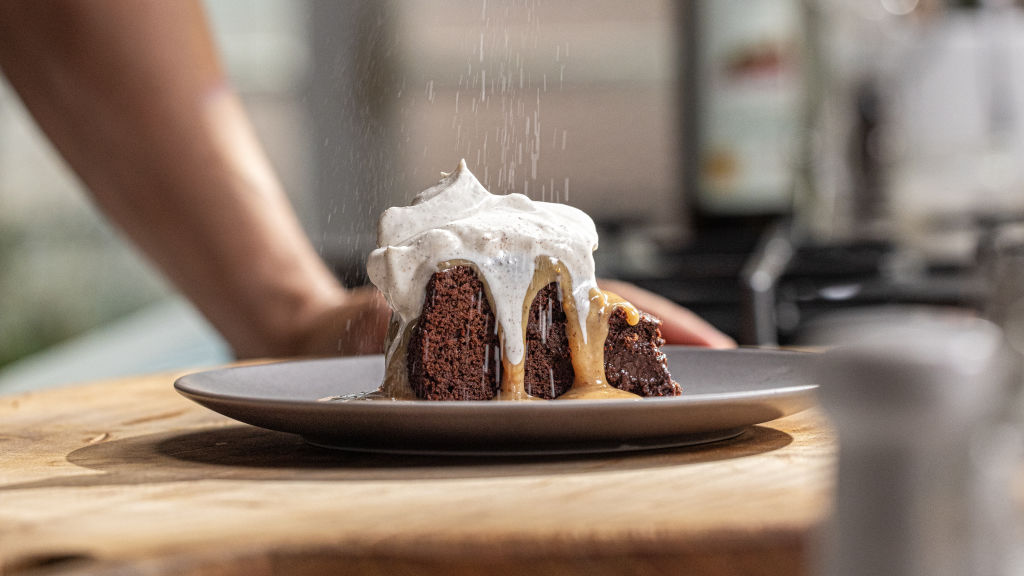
x=503, y=236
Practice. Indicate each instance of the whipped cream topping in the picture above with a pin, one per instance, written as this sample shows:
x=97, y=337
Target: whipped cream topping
x=503, y=236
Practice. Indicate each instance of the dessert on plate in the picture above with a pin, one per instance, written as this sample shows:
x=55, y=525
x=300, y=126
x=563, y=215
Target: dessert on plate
x=494, y=297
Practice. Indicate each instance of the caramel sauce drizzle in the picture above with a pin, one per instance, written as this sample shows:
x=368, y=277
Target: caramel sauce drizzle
x=396, y=373
x=588, y=356
x=586, y=348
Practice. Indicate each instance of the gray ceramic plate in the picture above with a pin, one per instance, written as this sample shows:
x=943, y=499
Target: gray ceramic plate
x=724, y=392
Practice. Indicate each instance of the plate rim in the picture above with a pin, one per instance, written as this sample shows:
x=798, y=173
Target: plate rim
x=438, y=427
x=185, y=385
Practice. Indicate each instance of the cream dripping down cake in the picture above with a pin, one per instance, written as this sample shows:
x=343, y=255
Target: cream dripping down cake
x=494, y=297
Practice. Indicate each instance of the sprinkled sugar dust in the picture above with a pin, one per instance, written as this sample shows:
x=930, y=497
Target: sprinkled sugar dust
x=498, y=124
x=402, y=90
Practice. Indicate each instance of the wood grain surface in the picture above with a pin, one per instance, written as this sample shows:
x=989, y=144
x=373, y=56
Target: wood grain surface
x=128, y=477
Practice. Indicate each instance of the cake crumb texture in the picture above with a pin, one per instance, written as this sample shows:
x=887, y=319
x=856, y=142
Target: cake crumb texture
x=633, y=360
x=454, y=351
x=549, y=372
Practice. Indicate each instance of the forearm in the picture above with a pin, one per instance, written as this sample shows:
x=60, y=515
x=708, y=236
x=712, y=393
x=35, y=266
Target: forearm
x=132, y=95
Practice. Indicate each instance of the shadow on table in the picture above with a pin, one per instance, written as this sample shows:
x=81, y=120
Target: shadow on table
x=248, y=453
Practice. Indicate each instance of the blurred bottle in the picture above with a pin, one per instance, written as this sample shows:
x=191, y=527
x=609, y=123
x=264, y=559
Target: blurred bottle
x=924, y=476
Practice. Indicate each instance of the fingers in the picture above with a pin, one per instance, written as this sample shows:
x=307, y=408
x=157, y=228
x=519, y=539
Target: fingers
x=681, y=326
x=364, y=322
x=678, y=325
x=357, y=325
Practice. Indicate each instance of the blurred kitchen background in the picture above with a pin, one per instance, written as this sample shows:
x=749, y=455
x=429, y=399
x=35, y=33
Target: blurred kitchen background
x=759, y=161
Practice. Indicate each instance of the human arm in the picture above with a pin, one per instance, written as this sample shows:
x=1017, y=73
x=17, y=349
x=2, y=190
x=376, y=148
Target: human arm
x=134, y=98
x=132, y=95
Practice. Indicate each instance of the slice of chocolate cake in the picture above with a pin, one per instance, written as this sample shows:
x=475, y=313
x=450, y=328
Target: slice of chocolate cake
x=633, y=360
x=454, y=350
x=472, y=332
x=549, y=372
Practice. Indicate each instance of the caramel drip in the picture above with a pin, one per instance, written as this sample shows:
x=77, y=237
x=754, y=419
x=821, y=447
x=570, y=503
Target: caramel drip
x=586, y=348
x=513, y=385
x=396, y=373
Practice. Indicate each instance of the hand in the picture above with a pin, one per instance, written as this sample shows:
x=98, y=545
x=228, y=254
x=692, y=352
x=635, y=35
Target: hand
x=678, y=325
x=357, y=325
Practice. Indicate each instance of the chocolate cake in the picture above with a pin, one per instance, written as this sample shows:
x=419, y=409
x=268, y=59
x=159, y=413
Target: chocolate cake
x=549, y=372
x=633, y=360
x=453, y=351
x=495, y=296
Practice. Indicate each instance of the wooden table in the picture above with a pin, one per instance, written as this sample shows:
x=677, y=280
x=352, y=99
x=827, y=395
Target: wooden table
x=128, y=477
